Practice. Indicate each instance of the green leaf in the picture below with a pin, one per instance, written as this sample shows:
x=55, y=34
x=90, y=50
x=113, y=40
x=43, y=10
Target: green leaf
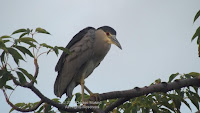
x=180, y=93
x=4, y=77
x=193, y=99
x=67, y=100
x=176, y=100
x=194, y=74
x=30, y=43
x=19, y=31
x=16, y=41
x=20, y=105
x=78, y=98
x=45, y=45
x=55, y=49
x=28, y=74
x=11, y=110
x=164, y=101
x=172, y=77
x=24, y=50
x=186, y=103
x=65, y=50
x=47, y=108
x=22, y=78
x=40, y=110
x=196, y=89
x=56, y=100
x=5, y=41
x=3, y=56
x=23, y=34
x=2, y=72
x=2, y=45
x=16, y=56
x=28, y=31
x=49, y=51
x=187, y=76
x=41, y=30
x=197, y=15
x=27, y=39
x=127, y=107
x=164, y=110
x=197, y=33
x=102, y=104
x=3, y=81
x=5, y=36
x=158, y=81
x=8, y=87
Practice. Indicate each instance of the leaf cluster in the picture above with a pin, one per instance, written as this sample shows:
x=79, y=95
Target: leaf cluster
x=25, y=45
x=161, y=102
x=197, y=33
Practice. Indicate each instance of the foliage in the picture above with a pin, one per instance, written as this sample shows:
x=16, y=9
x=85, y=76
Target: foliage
x=164, y=102
x=19, y=49
x=197, y=33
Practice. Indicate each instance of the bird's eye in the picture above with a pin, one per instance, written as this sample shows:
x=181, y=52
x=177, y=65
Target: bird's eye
x=107, y=33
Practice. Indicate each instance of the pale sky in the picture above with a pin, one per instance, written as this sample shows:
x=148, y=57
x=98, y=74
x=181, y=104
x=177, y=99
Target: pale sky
x=155, y=36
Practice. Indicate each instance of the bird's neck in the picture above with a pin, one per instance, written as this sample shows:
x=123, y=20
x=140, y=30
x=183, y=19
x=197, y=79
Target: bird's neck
x=101, y=44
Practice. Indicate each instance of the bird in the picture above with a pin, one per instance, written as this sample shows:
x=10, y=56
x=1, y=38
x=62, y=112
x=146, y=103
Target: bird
x=88, y=48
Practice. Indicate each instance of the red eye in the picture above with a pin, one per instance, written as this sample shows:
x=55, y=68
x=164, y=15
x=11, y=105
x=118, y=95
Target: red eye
x=107, y=33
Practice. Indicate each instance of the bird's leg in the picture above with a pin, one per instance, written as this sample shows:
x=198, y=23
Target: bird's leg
x=82, y=90
x=90, y=92
x=93, y=96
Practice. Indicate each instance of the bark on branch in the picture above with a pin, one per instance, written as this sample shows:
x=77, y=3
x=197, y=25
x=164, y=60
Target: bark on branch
x=44, y=99
x=136, y=92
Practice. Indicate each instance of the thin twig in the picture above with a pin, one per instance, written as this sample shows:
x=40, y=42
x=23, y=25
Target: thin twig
x=10, y=67
x=38, y=51
x=12, y=92
x=43, y=53
x=34, y=55
x=21, y=109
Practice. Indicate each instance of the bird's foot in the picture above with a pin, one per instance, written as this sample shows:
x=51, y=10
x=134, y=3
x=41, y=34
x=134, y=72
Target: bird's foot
x=94, y=97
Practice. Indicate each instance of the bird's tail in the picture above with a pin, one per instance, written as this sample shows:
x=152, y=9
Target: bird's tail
x=57, y=86
x=58, y=91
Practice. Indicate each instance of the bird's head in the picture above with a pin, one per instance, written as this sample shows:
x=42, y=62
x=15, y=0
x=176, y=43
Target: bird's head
x=110, y=34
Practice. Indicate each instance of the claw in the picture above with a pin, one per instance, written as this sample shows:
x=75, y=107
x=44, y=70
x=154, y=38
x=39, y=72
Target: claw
x=94, y=97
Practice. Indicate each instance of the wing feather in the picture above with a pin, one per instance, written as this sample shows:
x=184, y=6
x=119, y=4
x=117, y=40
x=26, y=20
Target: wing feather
x=73, y=41
x=71, y=64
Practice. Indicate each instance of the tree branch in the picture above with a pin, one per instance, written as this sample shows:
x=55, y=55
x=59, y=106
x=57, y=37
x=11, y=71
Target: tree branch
x=21, y=109
x=115, y=104
x=136, y=92
x=53, y=103
x=36, y=70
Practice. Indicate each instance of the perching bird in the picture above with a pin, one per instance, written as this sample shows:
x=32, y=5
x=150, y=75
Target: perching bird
x=88, y=48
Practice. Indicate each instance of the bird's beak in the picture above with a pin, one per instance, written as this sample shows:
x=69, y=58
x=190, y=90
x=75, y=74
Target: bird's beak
x=115, y=41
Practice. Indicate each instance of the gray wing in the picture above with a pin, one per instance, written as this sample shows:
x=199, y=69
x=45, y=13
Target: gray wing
x=73, y=41
x=69, y=65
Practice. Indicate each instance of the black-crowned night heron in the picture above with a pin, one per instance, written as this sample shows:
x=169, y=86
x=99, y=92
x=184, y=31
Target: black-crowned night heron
x=88, y=48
